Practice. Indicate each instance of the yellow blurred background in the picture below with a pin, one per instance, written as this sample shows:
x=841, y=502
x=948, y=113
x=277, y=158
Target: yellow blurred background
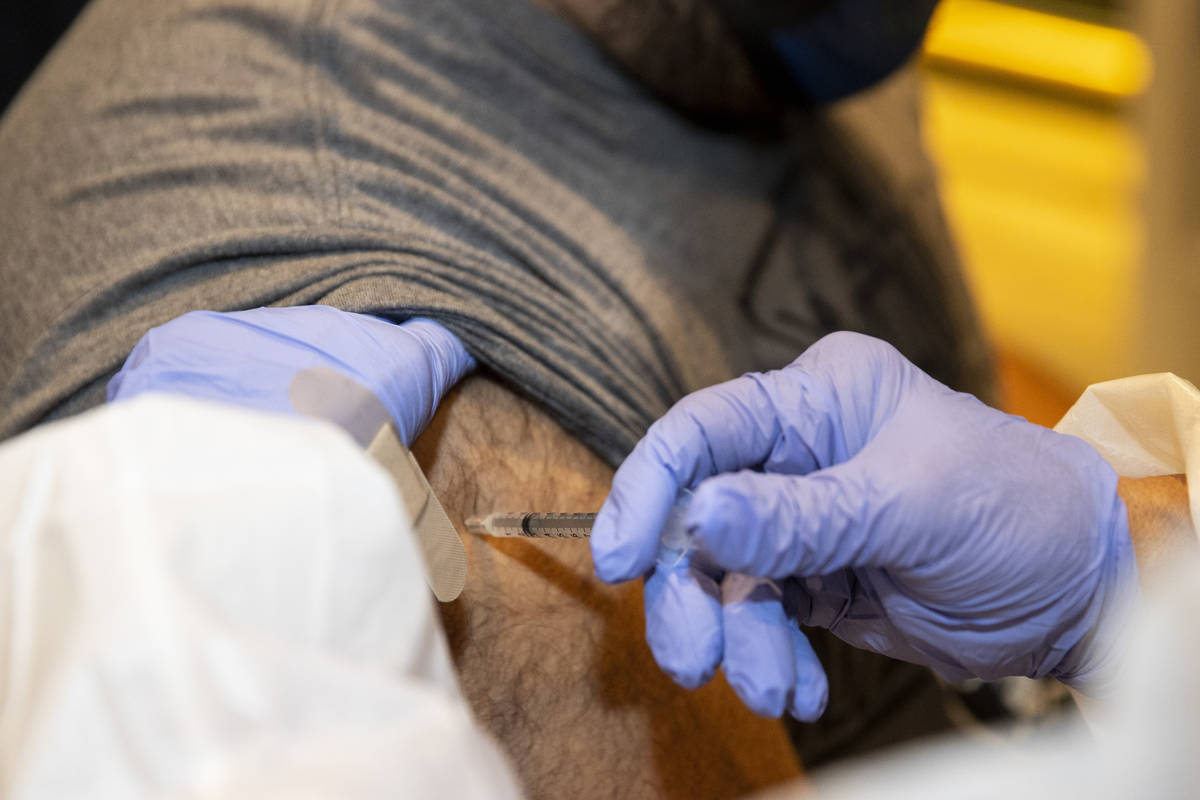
x=1027, y=116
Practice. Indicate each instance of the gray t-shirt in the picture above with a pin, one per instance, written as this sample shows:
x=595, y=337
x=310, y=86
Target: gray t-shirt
x=474, y=161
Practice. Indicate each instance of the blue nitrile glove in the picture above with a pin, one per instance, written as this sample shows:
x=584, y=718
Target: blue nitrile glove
x=314, y=360
x=906, y=518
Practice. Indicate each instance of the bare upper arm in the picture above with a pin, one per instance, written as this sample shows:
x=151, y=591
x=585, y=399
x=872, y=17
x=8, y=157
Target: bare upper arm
x=552, y=660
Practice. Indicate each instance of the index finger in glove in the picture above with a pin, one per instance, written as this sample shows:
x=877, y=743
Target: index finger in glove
x=815, y=413
x=726, y=427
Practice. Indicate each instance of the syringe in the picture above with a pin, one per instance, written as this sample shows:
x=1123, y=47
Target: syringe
x=674, y=545
x=533, y=524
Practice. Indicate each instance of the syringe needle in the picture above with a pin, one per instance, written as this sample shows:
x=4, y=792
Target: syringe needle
x=481, y=526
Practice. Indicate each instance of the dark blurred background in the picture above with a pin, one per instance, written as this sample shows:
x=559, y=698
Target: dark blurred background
x=31, y=27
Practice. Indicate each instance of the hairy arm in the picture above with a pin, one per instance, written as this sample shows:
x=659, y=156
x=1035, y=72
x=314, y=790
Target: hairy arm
x=1160, y=523
x=553, y=661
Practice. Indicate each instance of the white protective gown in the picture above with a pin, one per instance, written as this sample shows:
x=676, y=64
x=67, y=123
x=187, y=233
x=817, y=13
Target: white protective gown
x=202, y=601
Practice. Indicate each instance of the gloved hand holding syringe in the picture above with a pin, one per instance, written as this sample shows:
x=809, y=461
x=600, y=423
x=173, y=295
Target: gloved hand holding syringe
x=683, y=578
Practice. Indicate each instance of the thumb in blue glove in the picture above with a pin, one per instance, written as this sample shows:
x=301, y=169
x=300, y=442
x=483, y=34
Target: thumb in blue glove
x=314, y=360
x=906, y=518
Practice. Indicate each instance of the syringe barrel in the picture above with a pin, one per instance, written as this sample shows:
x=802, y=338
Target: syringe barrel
x=675, y=544
x=517, y=524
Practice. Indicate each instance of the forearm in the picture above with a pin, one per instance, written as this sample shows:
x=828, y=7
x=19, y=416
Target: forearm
x=1160, y=523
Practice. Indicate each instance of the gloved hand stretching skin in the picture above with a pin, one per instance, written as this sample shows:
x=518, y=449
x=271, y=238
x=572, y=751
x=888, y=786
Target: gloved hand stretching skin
x=257, y=359
x=908, y=519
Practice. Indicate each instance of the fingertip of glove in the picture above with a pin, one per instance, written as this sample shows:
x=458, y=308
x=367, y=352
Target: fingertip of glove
x=809, y=708
x=688, y=678
x=691, y=664
x=623, y=540
x=769, y=701
x=810, y=695
x=611, y=561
